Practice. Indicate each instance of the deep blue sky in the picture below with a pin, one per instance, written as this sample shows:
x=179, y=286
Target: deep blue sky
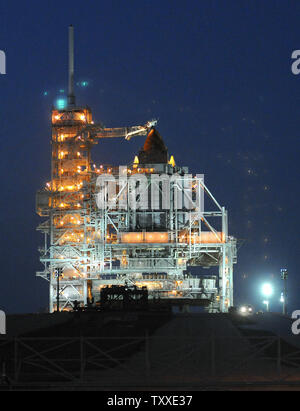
x=216, y=73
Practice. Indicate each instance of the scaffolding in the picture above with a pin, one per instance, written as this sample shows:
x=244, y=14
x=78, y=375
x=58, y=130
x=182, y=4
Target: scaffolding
x=87, y=246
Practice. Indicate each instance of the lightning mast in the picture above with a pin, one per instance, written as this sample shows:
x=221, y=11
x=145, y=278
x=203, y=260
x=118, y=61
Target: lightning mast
x=71, y=95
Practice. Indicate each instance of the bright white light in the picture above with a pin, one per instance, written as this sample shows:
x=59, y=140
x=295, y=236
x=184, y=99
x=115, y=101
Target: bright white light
x=282, y=298
x=243, y=309
x=267, y=290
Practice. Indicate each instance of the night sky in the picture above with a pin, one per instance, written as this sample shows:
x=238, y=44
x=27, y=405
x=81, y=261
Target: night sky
x=218, y=76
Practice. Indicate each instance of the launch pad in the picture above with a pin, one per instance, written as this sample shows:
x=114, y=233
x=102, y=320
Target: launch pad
x=94, y=237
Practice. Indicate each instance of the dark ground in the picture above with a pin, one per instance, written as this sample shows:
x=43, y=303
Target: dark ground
x=150, y=350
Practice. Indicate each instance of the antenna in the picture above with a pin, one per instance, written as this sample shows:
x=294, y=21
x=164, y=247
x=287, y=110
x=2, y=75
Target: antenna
x=71, y=95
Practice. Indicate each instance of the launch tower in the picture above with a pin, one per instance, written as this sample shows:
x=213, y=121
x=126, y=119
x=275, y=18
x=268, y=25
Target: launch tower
x=87, y=246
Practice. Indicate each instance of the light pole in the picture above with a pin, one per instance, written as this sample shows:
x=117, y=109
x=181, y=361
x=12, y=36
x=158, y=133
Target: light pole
x=284, y=277
x=282, y=300
x=267, y=291
x=58, y=273
x=266, y=302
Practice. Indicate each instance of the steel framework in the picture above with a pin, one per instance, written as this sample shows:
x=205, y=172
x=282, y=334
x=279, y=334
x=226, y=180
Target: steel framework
x=87, y=247
x=117, y=243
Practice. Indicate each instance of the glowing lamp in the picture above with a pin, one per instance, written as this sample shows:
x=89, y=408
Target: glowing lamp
x=267, y=290
x=61, y=103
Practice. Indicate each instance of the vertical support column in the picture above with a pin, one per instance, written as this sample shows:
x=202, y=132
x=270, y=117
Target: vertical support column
x=51, y=268
x=226, y=267
x=190, y=235
x=224, y=223
x=51, y=294
x=85, y=270
x=171, y=214
x=57, y=291
x=222, y=280
x=85, y=291
x=226, y=277
x=230, y=275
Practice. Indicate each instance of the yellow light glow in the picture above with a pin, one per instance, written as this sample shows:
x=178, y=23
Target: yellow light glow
x=62, y=154
x=151, y=285
x=172, y=161
x=150, y=237
x=207, y=237
x=135, y=162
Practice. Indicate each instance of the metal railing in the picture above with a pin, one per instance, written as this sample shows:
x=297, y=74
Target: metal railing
x=148, y=361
